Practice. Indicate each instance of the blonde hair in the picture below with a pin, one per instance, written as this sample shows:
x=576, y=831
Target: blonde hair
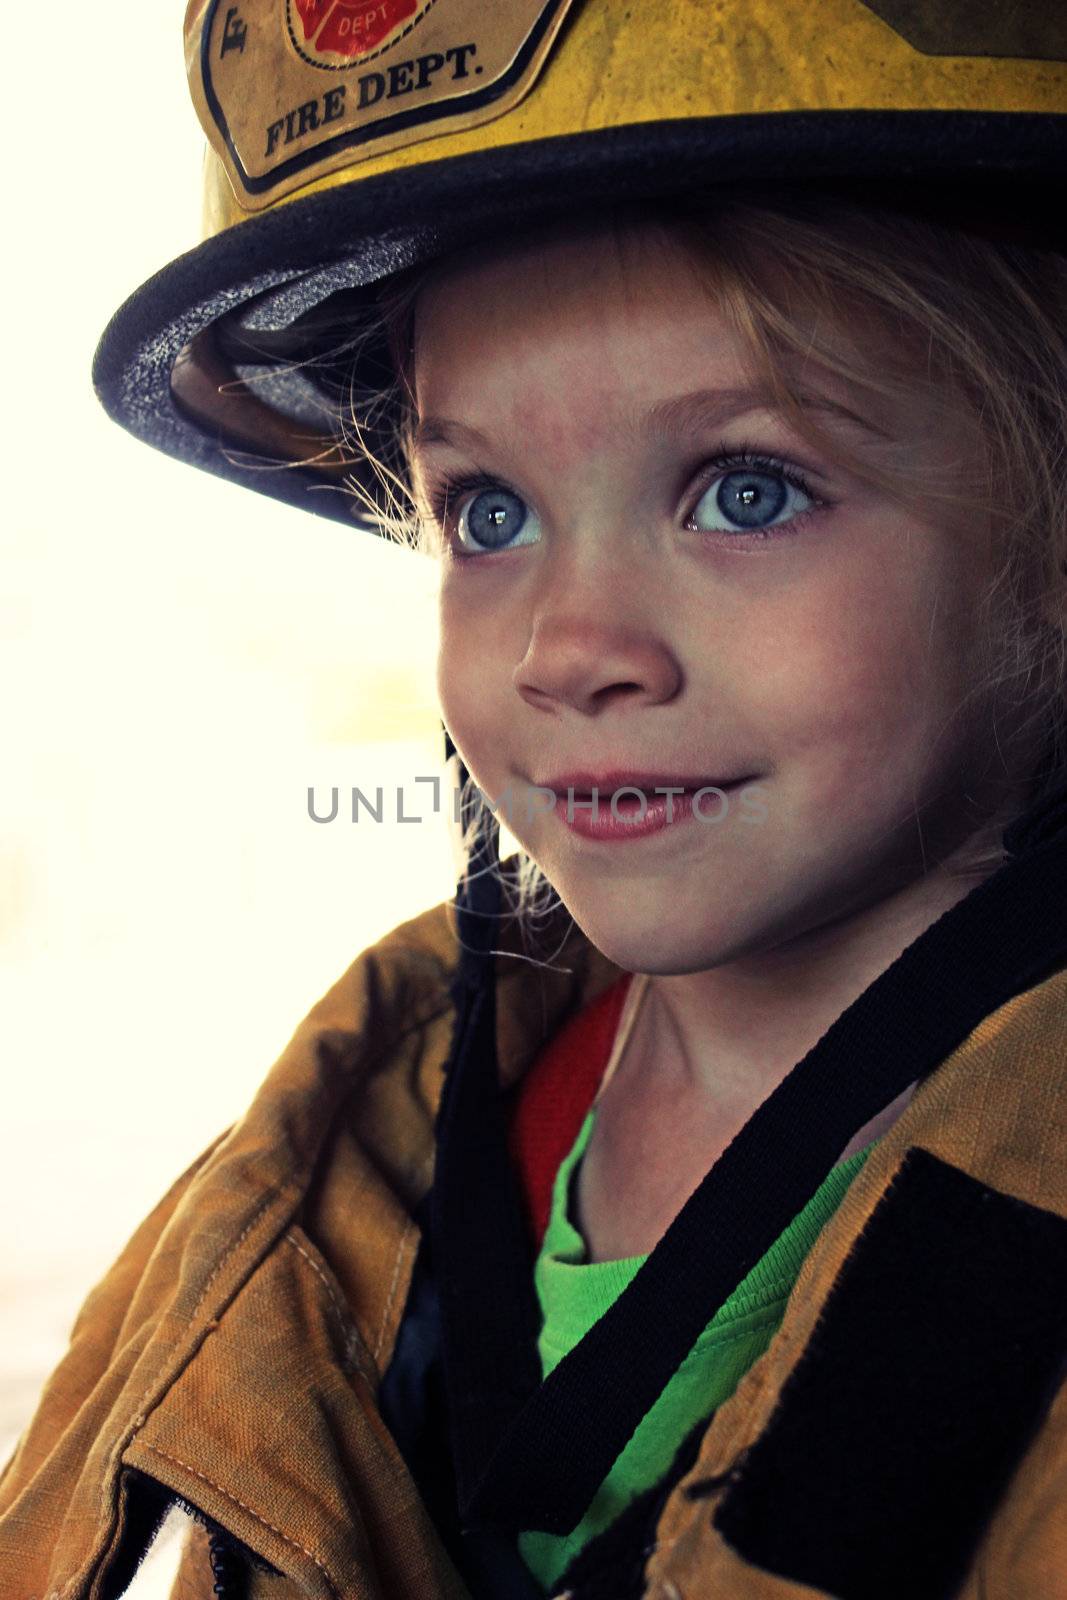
x=976, y=318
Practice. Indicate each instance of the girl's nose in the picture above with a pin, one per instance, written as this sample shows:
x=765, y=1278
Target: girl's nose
x=580, y=656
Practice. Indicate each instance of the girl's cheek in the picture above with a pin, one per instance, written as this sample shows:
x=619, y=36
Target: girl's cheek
x=479, y=602
x=837, y=648
x=474, y=680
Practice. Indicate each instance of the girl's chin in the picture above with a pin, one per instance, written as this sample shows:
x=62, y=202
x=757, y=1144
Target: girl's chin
x=648, y=938
x=691, y=922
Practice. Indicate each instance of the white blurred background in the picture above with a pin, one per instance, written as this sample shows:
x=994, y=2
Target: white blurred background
x=181, y=659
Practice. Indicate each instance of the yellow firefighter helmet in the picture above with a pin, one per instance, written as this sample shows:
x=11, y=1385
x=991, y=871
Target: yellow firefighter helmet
x=350, y=140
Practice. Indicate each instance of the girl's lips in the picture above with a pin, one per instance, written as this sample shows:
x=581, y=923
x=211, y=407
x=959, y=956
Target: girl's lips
x=616, y=816
x=583, y=782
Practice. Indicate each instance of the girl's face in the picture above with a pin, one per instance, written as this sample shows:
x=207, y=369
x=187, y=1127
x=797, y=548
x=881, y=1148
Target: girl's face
x=646, y=572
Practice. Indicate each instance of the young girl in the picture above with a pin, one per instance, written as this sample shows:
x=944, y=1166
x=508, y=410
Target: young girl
x=683, y=1213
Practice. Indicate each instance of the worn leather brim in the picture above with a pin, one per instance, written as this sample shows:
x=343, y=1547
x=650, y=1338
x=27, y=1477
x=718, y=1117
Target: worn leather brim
x=1011, y=164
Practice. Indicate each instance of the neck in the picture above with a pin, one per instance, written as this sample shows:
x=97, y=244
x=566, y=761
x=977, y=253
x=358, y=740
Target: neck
x=734, y=1032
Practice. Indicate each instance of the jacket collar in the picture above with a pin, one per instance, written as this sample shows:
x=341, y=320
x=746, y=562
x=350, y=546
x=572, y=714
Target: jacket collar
x=254, y=1286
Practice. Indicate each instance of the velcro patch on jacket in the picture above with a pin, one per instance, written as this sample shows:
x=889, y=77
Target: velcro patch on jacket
x=936, y=1355
x=288, y=90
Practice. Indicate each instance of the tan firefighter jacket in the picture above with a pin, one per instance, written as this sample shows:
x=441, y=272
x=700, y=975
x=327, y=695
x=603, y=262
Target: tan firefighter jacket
x=232, y=1353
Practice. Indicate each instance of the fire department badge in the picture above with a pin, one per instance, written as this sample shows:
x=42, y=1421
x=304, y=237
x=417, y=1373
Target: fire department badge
x=289, y=90
x=334, y=32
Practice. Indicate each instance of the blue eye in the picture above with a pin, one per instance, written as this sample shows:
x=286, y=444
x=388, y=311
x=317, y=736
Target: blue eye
x=749, y=500
x=495, y=519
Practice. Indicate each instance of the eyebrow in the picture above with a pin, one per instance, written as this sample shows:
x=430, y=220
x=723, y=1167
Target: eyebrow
x=443, y=430
x=701, y=408
x=710, y=408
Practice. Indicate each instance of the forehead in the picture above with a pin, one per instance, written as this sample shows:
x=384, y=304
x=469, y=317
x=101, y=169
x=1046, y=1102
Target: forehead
x=581, y=303
x=572, y=341
x=568, y=345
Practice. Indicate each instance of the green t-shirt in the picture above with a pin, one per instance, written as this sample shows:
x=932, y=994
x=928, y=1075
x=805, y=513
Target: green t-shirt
x=574, y=1293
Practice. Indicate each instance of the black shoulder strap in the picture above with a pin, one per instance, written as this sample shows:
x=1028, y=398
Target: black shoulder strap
x=532, y=1454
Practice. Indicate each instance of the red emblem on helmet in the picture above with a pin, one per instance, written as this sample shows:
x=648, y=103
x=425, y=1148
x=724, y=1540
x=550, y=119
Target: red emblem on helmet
x=351, y=28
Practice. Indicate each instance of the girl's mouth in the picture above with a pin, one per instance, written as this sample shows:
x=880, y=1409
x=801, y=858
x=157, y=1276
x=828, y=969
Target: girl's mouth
x=626, y=811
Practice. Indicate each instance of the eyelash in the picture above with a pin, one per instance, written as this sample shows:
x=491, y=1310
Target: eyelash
x=727, y=459
x=738, y=458
x=444, y=493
